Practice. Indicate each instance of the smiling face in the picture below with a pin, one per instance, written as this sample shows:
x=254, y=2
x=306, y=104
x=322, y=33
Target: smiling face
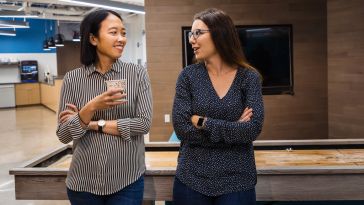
x=111, y=38
x=203, y=46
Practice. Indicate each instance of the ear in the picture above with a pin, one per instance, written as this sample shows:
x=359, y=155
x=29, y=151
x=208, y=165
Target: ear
x=93, y=40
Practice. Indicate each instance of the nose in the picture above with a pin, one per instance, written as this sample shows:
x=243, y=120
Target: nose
x=121, y=38
x=192, y=40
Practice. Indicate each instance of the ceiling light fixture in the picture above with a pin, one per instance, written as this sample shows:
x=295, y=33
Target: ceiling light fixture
x=51, y=43
x=45, y=42
x=58, y=40
x=16, y=14
x=76, y=36
x=7, y=33
x=14, y=24
x=45, y=46
x=109, y=5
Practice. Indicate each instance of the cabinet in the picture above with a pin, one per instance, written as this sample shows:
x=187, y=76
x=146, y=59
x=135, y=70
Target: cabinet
x=27, y=94
x=50, y=94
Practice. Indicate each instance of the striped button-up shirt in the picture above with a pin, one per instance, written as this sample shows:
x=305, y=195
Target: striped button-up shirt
x=102, y=163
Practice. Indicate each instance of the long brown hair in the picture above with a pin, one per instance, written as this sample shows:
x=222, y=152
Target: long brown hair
x=224, y=36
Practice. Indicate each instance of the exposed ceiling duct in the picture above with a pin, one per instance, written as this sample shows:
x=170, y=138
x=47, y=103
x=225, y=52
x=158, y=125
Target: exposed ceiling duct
x=67, y=10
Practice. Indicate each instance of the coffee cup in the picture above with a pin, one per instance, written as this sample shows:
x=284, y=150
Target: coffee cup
x=119, y=84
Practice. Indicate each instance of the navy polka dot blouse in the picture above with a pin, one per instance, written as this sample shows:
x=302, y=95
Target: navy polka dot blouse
x=219, y=158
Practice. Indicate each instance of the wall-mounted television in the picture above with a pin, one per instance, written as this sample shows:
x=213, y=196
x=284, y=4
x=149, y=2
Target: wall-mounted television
x=268, y=48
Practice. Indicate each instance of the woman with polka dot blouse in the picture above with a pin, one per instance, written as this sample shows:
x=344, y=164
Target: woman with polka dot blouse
x=217, y=114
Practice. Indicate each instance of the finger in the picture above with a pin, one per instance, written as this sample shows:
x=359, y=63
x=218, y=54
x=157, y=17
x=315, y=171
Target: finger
x=73, y=107
x=246, y=113
x=113, y=91
x=63, y=119
x=114, y=103
x=246, y=119
x=249, y=115
x=66, y=112
x=116, y=96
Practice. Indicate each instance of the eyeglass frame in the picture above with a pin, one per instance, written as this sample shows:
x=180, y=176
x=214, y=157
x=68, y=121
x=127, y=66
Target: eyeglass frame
x=195, y=35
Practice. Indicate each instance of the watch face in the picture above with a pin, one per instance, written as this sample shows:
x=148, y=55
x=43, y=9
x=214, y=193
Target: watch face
x=101, y=123
x=200, y=121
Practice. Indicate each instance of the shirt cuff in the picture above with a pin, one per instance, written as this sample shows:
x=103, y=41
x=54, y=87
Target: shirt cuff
x=75, y=127
x=209, y=127
x=124, y=128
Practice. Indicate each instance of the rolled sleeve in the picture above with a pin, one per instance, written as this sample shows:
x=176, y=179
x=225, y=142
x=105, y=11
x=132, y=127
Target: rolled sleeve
x=141, y=123
x=72, y=128
x=124, y=128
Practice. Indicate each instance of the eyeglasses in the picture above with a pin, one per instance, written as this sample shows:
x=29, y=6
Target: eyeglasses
x=196, y=33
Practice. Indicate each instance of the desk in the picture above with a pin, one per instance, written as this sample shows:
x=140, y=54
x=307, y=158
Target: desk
x=331, y=173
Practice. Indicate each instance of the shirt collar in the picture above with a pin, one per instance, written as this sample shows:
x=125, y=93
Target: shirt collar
x=115, y=67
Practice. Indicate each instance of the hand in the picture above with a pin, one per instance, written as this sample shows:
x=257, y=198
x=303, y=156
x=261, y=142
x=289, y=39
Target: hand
x=107, y=99
x=246, y=116
x=65, y=115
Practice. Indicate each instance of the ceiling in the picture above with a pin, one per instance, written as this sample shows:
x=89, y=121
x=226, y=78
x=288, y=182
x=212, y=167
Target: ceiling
x=66, y=10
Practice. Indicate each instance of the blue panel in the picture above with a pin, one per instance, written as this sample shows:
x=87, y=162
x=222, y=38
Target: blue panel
x=174, y=138
x=28, y=40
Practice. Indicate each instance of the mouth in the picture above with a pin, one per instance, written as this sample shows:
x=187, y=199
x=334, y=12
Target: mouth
x=195, y=49
x=119, y=47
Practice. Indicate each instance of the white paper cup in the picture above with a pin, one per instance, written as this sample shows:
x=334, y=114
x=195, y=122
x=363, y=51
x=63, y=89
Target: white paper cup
x=120, y=84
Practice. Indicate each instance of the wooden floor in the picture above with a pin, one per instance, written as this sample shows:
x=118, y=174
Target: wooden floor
x=24, y=133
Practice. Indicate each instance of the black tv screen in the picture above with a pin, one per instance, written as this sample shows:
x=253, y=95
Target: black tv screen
x=268, y=48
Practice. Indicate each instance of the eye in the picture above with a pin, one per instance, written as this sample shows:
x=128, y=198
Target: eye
x=197, y=32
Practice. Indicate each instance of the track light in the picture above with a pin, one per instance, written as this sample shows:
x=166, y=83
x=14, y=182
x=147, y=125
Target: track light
x=58, y=41
x=16, y=14
x=45, y=46
x=109, y=5
x=51, y=43
x=14, y=24
x=76, y=36
x=7, y=33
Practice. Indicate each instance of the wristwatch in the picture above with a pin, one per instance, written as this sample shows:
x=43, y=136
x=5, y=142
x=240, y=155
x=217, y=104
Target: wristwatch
x=201, y=122
x=101, y=124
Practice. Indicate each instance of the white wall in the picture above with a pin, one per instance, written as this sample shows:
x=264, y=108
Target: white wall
x=46, y=62
x=135, y=48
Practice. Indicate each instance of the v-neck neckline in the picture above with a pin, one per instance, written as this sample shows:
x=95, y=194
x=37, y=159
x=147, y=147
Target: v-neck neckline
x=213, y=88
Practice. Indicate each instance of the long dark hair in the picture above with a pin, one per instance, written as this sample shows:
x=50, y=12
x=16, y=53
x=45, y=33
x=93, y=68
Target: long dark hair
x=224, y=36
x=91, y=25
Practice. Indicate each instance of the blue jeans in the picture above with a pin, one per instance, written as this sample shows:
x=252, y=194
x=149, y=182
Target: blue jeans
x=130, y=195
x=183, y=195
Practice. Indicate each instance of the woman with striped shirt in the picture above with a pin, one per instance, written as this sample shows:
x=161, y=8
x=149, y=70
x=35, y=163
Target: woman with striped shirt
x=108, y=161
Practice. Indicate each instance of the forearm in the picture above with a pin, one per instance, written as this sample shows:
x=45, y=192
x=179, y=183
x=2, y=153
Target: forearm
x=86, y=114
x=233, y=132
